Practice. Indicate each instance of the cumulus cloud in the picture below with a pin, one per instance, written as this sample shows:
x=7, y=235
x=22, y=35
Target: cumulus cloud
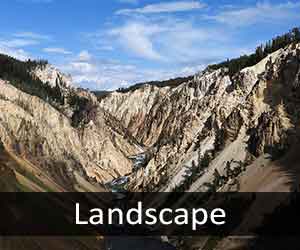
x=95, y=73
x=100, y=74
x=164, y=7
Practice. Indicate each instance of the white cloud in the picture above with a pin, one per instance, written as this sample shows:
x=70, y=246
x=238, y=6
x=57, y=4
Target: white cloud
x=57, y=51
x=100, y=74
x=184, y=42
x=32, y=35
x=14, y=47
x=16, y=53
x=137, y=37
x=166, y=40
x=177, y=46
x=173, y=45
x=261, y=13
x=175, y=6
x=17, y=43
x=84, y=55
x=110, y=75
x=191, y=70
x=83, y=67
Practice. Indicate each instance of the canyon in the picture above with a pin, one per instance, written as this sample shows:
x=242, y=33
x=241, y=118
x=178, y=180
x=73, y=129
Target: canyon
x=214, y=132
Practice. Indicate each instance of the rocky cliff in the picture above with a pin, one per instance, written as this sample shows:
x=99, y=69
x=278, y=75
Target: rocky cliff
x=225, y=120
x=217, y=132
x=89, y=151
x=188, y=137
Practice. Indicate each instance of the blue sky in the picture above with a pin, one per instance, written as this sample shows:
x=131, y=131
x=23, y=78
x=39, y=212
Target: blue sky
x=106, y=44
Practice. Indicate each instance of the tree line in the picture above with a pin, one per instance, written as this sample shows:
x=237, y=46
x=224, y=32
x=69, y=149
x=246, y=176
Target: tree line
x=234, y=65
x=19, y=74
x=167, y=83
x=279, y=42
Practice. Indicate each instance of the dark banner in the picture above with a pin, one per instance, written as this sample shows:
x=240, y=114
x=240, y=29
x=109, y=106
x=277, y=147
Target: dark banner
x=149, y=214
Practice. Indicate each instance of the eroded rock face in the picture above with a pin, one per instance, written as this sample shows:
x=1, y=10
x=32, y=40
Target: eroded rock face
x=33, y=128
x=52, y=76
x=235, y=118
x=204, y=123
x=131, y=108
x=269, y=134
x=7, y=177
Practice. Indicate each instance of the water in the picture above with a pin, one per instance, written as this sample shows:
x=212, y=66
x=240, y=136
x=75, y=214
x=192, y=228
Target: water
x=132, y=243
x=139, y=161
x=119, y=184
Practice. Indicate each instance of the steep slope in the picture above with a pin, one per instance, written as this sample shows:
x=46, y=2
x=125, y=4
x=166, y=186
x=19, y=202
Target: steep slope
x=162, y=138
x=89, y=151
x=131, y=108
x=17, y=174
x=214, y=124
x=217, y=132
x=265, y=123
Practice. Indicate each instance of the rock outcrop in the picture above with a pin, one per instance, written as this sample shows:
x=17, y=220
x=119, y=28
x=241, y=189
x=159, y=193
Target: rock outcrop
x=52, y=76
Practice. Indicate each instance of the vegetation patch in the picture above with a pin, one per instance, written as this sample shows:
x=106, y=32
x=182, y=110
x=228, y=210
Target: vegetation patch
x=19, y=74
x=261, y=52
